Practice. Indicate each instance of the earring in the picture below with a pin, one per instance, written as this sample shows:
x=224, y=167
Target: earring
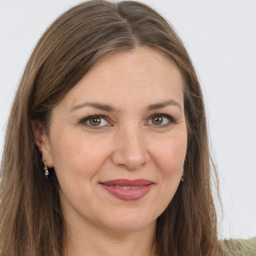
x=46, y=171
x=182, y=177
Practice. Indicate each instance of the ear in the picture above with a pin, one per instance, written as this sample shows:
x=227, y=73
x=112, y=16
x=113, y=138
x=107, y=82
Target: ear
x=42, y=142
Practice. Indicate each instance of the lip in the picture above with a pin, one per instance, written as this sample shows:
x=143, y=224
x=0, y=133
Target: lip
x=120, y=188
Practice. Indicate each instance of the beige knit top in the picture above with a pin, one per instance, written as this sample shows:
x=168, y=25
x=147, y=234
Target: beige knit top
x=239, y=247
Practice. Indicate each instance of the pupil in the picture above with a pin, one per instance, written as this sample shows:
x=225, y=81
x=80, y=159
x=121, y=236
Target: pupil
x=157, y=120
x=95, y=121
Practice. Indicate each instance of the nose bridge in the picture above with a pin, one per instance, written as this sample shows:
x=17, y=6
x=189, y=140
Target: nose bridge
x=131, y=149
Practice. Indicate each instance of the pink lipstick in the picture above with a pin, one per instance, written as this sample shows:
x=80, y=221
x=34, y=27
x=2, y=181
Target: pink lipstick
x=127, y=190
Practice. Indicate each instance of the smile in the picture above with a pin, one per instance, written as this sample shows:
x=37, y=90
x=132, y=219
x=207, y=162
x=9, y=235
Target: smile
x=125, y=187
x=127, y=190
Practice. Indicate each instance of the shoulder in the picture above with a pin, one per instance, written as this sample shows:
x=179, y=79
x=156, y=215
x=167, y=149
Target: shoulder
x=238, y=247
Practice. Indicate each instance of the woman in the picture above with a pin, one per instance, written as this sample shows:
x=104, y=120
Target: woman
x=106, y=149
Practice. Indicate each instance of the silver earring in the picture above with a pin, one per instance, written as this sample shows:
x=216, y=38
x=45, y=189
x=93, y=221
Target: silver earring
x=46, y=171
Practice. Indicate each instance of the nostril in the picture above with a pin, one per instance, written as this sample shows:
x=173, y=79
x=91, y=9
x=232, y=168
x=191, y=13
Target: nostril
x=130, y=151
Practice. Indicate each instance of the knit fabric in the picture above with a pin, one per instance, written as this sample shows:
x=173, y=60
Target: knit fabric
x=238, y=247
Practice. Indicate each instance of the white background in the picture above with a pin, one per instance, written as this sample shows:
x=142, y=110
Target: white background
x=220, y=36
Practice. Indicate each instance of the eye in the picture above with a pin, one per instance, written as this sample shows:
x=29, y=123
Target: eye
x=161, y=120
x=95, y=121
x=99, y=121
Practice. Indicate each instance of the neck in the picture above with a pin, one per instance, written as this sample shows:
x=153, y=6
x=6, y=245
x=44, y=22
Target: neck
x=95, y=242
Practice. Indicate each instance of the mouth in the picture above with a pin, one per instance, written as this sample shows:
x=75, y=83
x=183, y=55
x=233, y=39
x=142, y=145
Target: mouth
x=127, y=190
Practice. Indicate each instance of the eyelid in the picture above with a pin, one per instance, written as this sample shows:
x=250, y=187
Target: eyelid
x=85, y=119
x=171, y=120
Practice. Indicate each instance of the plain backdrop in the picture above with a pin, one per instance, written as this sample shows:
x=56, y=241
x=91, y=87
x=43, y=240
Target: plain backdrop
x=220, y=37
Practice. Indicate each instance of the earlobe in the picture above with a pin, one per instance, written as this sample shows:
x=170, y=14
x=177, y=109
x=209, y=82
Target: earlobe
x=42, y=142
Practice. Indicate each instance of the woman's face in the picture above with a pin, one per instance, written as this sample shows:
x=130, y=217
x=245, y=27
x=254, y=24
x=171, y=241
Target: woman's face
x=118, y=141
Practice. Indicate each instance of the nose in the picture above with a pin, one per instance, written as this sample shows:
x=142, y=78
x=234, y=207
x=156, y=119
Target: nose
x=130, y=149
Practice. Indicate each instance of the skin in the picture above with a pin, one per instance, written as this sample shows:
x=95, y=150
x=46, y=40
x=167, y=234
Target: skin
x=128, y=144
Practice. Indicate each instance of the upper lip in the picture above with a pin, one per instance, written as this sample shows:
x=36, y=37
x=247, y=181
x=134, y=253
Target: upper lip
x=126, y=182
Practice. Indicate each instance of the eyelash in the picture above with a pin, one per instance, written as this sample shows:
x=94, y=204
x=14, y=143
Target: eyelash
x=169, y=118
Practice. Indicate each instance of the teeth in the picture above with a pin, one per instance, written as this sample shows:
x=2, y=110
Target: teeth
x=127, y=187
x=135, y=187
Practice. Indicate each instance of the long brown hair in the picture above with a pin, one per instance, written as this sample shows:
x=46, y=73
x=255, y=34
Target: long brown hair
x=31, y=220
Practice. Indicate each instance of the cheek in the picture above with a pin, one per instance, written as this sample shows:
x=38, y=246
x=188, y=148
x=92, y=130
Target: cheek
x=77, y=155
x=77, y=162
x=170, y=155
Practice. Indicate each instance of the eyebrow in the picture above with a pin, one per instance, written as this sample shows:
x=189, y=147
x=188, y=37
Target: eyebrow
x=109, y=108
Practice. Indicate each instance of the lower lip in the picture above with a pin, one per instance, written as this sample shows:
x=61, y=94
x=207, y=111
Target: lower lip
x=128, y=194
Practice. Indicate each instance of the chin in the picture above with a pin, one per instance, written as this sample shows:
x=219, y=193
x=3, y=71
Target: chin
x=130, y=222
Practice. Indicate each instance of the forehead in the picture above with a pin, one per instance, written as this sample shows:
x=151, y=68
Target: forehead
x=143, y=74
